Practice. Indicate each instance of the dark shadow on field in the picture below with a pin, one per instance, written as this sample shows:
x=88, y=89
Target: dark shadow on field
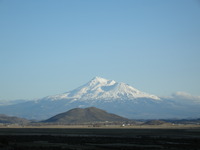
x=100, y=139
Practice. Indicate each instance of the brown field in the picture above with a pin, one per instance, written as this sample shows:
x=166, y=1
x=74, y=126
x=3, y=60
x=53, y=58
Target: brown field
x=180, y=137
x=163, y=126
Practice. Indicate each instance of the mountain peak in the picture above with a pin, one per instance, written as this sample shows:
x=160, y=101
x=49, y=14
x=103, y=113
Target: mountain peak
x=100, y=79
x=103, y=89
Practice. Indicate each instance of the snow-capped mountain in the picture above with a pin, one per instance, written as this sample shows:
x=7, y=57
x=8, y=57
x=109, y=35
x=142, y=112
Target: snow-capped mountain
x=102, y=89
x=109, y=95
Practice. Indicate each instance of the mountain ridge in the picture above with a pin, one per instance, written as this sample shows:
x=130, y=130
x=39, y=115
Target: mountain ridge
x=109, y=95
x=12, y=119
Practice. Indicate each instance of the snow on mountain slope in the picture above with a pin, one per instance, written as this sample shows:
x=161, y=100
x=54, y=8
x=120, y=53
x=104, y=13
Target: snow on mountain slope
x=102, y=89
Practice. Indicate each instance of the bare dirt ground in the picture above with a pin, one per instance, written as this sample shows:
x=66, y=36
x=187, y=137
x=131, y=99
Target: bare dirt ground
x=89, y=138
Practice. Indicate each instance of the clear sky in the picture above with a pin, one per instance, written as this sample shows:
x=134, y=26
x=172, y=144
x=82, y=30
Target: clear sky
x=49, y=47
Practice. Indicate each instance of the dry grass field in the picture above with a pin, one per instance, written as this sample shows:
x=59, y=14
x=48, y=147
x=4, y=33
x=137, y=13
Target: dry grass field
x=162, y=126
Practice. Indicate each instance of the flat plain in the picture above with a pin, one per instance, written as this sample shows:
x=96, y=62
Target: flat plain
x=88, y=138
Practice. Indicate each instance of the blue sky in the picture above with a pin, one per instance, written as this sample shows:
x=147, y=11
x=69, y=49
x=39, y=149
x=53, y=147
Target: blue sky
x=49, y=47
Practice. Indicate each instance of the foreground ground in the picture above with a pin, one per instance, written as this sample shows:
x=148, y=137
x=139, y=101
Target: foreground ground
x=99, y=138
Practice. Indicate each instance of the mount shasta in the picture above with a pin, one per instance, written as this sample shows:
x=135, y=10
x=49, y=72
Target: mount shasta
x=119, y=98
